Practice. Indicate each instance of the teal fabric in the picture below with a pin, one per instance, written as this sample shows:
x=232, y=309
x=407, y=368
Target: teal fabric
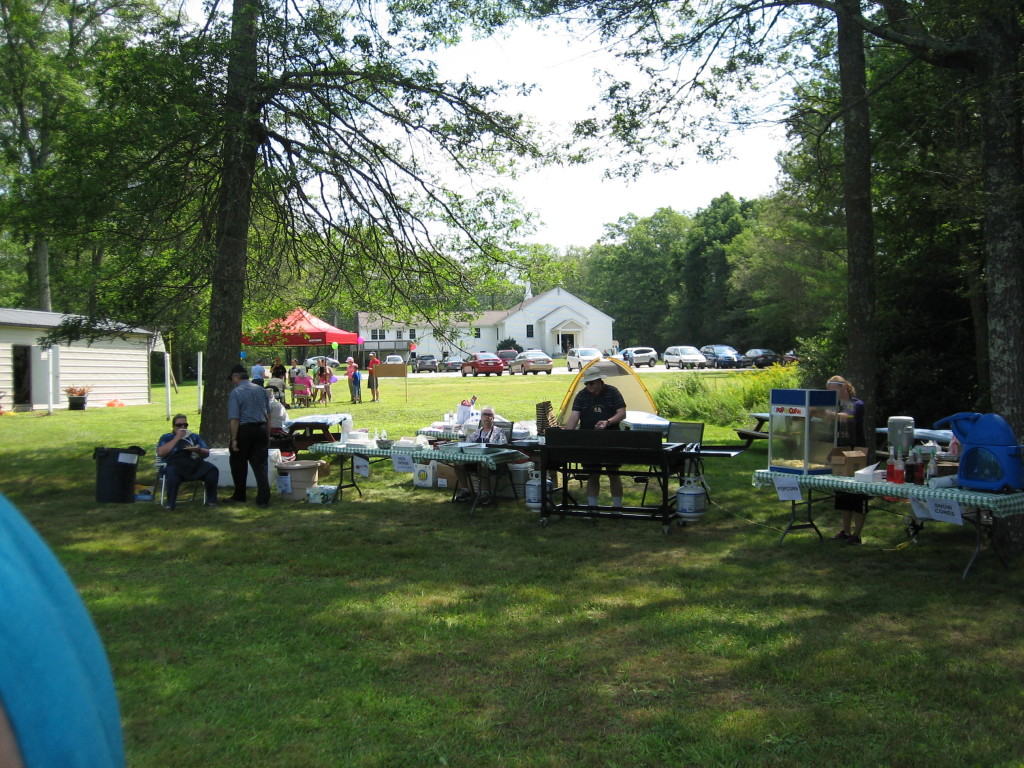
x=55, y=680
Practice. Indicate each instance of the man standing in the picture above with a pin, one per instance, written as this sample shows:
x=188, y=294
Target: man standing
x=598, y=406
x=258, y=373
x=248, y=413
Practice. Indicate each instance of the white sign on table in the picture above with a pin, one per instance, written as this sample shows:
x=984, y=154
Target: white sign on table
x=361, y=464
x=788, y=488
x=402, y=462
x=946, y=510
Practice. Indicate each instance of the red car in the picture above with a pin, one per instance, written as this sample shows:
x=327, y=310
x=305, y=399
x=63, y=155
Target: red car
x=507, y=356
x=482, y=362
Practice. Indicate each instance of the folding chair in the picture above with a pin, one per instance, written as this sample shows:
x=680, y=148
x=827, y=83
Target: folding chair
x=161, y=477
x=690, y=434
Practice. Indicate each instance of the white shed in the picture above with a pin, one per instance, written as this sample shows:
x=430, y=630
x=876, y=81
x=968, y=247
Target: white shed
x=33, y=376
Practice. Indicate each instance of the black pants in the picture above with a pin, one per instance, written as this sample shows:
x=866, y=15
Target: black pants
x=252, y=452
x=175, y=475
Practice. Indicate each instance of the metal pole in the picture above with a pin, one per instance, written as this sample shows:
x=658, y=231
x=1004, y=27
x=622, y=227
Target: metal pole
x=199, y=381
x=167, y=382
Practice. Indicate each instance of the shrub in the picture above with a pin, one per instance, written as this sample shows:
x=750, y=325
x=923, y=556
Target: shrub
x=688, y=397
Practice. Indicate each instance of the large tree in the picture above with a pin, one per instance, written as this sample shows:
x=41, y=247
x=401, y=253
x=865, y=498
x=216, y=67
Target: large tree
x=48, y=52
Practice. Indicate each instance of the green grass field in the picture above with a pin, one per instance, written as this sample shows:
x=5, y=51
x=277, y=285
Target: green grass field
x=394, y=630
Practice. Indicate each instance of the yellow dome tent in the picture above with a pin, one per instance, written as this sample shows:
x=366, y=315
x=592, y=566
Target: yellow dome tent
x=619, y=375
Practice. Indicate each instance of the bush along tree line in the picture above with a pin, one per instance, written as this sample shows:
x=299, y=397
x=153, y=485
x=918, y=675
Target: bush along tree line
x=204, y=178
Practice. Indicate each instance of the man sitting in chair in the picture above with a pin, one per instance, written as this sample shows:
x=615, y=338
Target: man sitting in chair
x=487, y=433
x=184, y=453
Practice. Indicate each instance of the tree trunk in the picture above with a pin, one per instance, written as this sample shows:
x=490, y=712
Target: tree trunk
x=41, y=256
x=1004, y=221
x=239, y=154
x=860, y=230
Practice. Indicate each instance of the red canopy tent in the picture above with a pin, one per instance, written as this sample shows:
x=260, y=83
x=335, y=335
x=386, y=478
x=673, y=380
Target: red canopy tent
x=300, y=329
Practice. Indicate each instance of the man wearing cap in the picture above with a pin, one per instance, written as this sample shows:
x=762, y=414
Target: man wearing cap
x=248, y=414
x=598, y=406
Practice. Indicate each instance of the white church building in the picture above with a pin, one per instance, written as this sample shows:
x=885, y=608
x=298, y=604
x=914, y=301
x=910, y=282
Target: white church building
x=555, y=321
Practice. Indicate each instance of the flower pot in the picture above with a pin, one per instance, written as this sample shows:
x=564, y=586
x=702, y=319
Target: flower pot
x=77, y=402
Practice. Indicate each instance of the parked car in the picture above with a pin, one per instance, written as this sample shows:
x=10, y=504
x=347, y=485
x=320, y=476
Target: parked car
x=453, y=363
x=317, y=361
x=482, y=362
x=639, y=355
x=426, y=363
x=684, y=357
x=762, y=358
x=724, y=356
x=507, y=356
x=580, y=356
x=790, y=357
x=531, y=361
x=394, y=359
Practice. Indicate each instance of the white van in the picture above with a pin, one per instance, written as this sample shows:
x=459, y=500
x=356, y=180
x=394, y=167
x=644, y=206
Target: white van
x=684, y=357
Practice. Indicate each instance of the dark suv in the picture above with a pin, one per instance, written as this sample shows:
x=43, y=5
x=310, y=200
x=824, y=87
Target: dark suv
x=724, y=356
x=425, y=363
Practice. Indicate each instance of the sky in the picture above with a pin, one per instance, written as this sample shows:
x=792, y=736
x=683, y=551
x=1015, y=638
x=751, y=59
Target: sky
x=575, y=203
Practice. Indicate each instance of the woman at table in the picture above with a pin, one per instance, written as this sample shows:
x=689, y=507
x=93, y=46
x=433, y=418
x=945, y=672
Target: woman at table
x=302, y=388
x=487, y=433
x=850, y=430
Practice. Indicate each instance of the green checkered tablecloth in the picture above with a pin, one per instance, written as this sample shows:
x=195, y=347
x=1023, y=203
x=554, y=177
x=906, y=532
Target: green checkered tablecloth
x=999, y=504
x=489, y=460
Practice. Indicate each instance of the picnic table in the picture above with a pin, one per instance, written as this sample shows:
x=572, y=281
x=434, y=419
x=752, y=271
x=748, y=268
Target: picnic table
x=759, y=432
x=445, y=455
x=985, y=511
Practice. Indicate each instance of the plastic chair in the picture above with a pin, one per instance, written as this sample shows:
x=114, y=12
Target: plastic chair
x=301, y=396
x=161, y=477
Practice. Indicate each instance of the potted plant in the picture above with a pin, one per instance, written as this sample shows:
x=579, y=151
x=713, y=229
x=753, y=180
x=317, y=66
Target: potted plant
x=77, y=396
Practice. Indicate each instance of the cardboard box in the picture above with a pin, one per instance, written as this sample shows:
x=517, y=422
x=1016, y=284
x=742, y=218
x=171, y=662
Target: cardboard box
x=847, y=461
x=444, y=476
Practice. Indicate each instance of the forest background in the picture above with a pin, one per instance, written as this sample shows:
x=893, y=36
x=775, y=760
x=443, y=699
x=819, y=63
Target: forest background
x=202, y=179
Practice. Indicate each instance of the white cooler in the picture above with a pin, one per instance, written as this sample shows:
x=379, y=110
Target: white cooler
x=219, y=458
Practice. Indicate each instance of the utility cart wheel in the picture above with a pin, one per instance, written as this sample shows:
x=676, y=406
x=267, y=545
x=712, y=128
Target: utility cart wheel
x=680, y=522
x=665, y=529
x=543, y=522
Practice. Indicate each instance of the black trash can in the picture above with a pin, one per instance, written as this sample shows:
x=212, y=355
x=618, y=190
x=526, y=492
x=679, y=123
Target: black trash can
x=115, y=473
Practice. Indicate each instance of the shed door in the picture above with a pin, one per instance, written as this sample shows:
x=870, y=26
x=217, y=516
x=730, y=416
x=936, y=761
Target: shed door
x=22, y=365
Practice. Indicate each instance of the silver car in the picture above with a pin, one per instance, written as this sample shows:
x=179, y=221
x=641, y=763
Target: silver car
x=639, y=356
x=578, y=357
x=684, y=357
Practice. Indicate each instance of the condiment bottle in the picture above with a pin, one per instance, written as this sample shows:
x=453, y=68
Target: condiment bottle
x=890, y=467
x=910, y=468
x=899, y=471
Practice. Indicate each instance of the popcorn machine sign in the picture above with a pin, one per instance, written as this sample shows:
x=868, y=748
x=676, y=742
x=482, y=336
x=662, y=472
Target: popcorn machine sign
x=789, y=410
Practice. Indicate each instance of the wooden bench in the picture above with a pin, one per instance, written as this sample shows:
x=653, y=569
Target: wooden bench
x=750, y=435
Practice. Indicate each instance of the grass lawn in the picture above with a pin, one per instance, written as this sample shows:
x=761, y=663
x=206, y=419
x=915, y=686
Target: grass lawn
x=394, y=630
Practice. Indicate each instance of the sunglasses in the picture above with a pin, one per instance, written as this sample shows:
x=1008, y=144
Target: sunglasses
x=182, y=424
x=590, y=383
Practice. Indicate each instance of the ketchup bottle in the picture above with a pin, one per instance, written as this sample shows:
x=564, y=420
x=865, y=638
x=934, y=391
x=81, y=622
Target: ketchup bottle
x=899, y=471
x=890, y=468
